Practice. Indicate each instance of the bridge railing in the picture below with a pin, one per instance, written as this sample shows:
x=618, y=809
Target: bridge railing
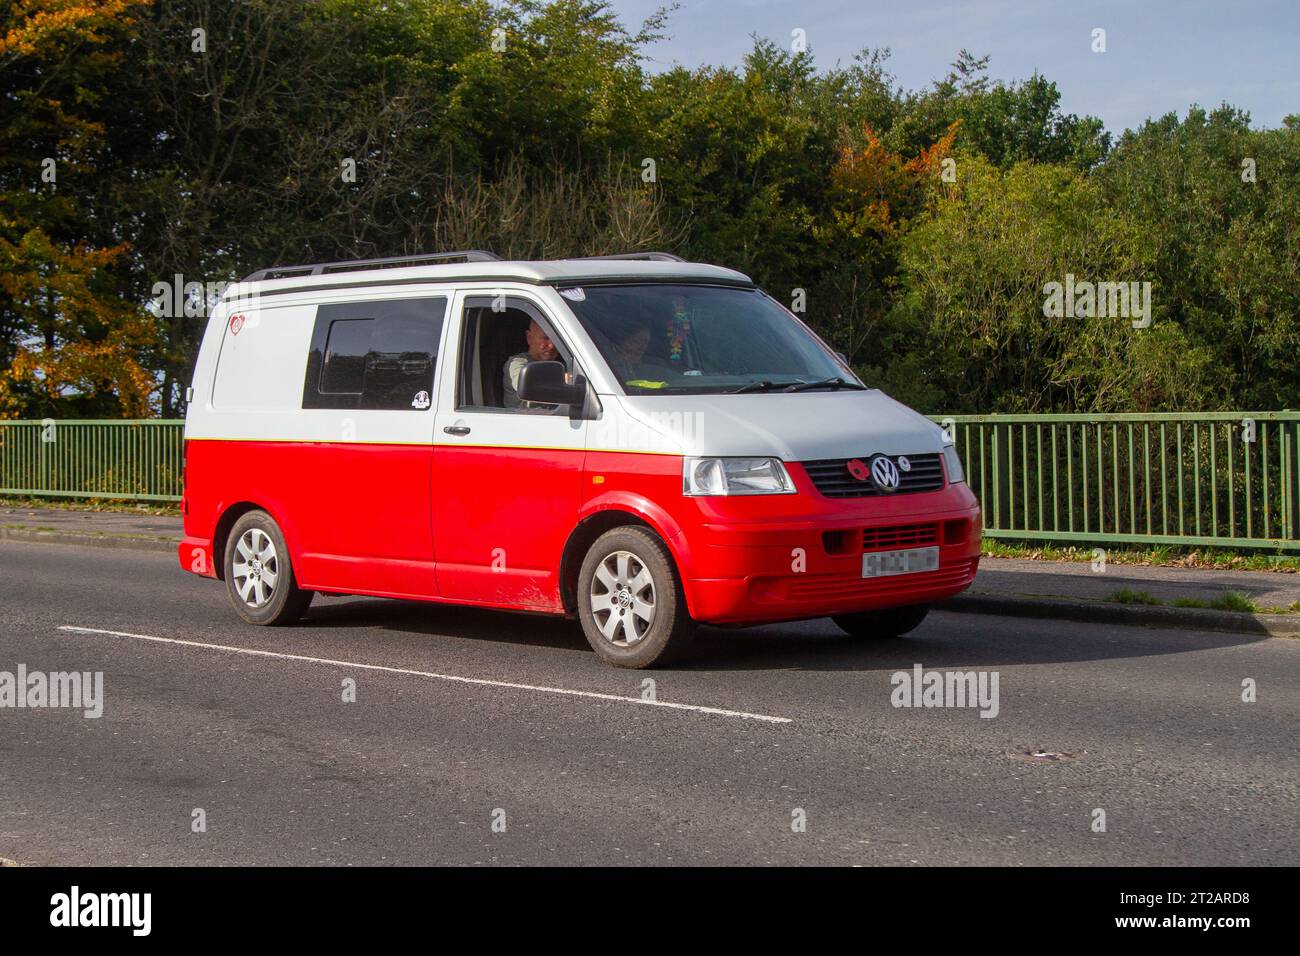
x=136, y=460
x=1224, y=479
x=1229, y=479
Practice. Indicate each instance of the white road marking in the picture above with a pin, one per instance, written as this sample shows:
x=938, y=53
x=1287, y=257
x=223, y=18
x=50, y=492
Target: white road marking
x=479, y=681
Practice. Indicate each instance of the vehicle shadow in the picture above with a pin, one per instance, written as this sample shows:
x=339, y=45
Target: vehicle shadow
x=420, y=619
x=945, y=639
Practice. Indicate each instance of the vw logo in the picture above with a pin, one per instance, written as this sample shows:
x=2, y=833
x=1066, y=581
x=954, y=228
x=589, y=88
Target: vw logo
x=885, y=473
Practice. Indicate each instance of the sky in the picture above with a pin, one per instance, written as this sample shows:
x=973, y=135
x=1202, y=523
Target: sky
x=1161, y=55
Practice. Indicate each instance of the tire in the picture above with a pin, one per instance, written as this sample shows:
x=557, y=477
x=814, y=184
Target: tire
x=262, y=587
x=882, y=625
x=628, y=578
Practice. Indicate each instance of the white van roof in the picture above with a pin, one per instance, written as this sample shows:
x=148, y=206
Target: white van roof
x=482, y=267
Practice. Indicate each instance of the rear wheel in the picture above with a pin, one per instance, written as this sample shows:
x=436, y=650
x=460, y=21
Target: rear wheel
x=630, y=600
x=882, y=625
x=259, y=576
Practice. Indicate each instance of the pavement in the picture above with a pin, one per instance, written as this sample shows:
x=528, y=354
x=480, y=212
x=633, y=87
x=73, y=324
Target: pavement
x=94, y=528
x=1006, y=586
x=391, y=732
x=1073, y=591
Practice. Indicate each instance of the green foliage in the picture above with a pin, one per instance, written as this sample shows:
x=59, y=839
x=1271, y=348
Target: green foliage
x=973, y=288
x=70, y=340
x=524, y=126
x=1006, y=123
x=1234, y=601
x=1129, y=596
x=1226, y=251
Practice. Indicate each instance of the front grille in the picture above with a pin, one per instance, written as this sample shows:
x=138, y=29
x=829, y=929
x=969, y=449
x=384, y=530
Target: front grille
x=831, y=477
x=900, y=536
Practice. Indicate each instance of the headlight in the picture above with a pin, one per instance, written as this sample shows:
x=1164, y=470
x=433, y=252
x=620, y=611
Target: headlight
x=953, y=464
x=735, y=476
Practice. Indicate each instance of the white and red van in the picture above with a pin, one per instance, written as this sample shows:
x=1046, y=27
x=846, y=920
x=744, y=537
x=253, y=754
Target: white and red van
x=636, y=441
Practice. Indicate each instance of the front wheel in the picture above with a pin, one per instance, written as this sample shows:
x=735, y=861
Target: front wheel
x=259, y=576
x=882, y=625
x=630, y=600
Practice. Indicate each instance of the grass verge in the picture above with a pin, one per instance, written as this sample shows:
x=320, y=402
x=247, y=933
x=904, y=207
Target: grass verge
x=1227, y=601
x=92, y=504
x=1162, y=556
x=1129, y=596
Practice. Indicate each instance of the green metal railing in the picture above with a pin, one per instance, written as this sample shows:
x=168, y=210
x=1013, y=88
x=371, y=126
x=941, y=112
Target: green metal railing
x=1229, y=479
x=1189, y=478
x=135, y=460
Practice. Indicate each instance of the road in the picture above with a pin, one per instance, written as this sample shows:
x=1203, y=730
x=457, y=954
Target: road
x=464, y=719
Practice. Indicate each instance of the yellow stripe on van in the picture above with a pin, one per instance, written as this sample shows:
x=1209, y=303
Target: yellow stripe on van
x=441, y=444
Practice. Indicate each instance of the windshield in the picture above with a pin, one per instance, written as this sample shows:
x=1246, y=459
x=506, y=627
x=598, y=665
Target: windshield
x=664, y=339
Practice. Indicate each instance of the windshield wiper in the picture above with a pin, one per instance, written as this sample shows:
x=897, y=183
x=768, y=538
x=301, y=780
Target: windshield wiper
x=832, y=383
x=766, y=386
x=835, y=384
x=752, y=387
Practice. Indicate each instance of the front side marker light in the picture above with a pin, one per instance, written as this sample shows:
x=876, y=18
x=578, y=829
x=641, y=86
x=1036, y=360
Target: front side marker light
x=952, y=464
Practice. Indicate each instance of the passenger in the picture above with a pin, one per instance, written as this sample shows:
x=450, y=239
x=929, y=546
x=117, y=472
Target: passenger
x=634, y=340
x=540, y=349
x=632, y=348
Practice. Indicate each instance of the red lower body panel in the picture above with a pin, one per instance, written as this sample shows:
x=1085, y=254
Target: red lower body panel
x=356, y=517
x=388, y=520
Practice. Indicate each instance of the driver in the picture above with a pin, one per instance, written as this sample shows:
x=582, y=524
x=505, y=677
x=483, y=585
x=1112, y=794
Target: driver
x=540, y=349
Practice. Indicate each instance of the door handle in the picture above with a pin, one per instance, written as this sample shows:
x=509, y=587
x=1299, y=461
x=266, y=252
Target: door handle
x=457, y=429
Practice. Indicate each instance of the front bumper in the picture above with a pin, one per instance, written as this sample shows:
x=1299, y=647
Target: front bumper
x=748, y=567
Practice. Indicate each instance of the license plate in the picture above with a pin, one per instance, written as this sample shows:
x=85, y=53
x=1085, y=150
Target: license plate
x=879, y=564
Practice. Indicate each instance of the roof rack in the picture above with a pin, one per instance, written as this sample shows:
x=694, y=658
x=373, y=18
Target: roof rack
x=353, y=265
x=654, y=256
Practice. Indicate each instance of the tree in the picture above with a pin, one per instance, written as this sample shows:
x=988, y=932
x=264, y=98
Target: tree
x=69, y=341
x=1005, y=122
x=874, y=197
x=1224, y=204
x=974, y=293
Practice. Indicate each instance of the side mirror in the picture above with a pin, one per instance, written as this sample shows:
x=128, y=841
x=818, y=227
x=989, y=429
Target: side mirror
x=544, y=382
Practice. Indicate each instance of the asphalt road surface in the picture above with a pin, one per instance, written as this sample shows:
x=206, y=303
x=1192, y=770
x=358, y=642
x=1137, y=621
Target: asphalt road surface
x=487, y=738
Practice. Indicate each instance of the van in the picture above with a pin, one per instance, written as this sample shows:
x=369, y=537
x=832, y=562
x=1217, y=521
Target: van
x=638, y=442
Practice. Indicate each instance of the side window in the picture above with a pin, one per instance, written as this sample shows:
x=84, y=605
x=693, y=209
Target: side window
x=491, y=339
x=374, y=355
